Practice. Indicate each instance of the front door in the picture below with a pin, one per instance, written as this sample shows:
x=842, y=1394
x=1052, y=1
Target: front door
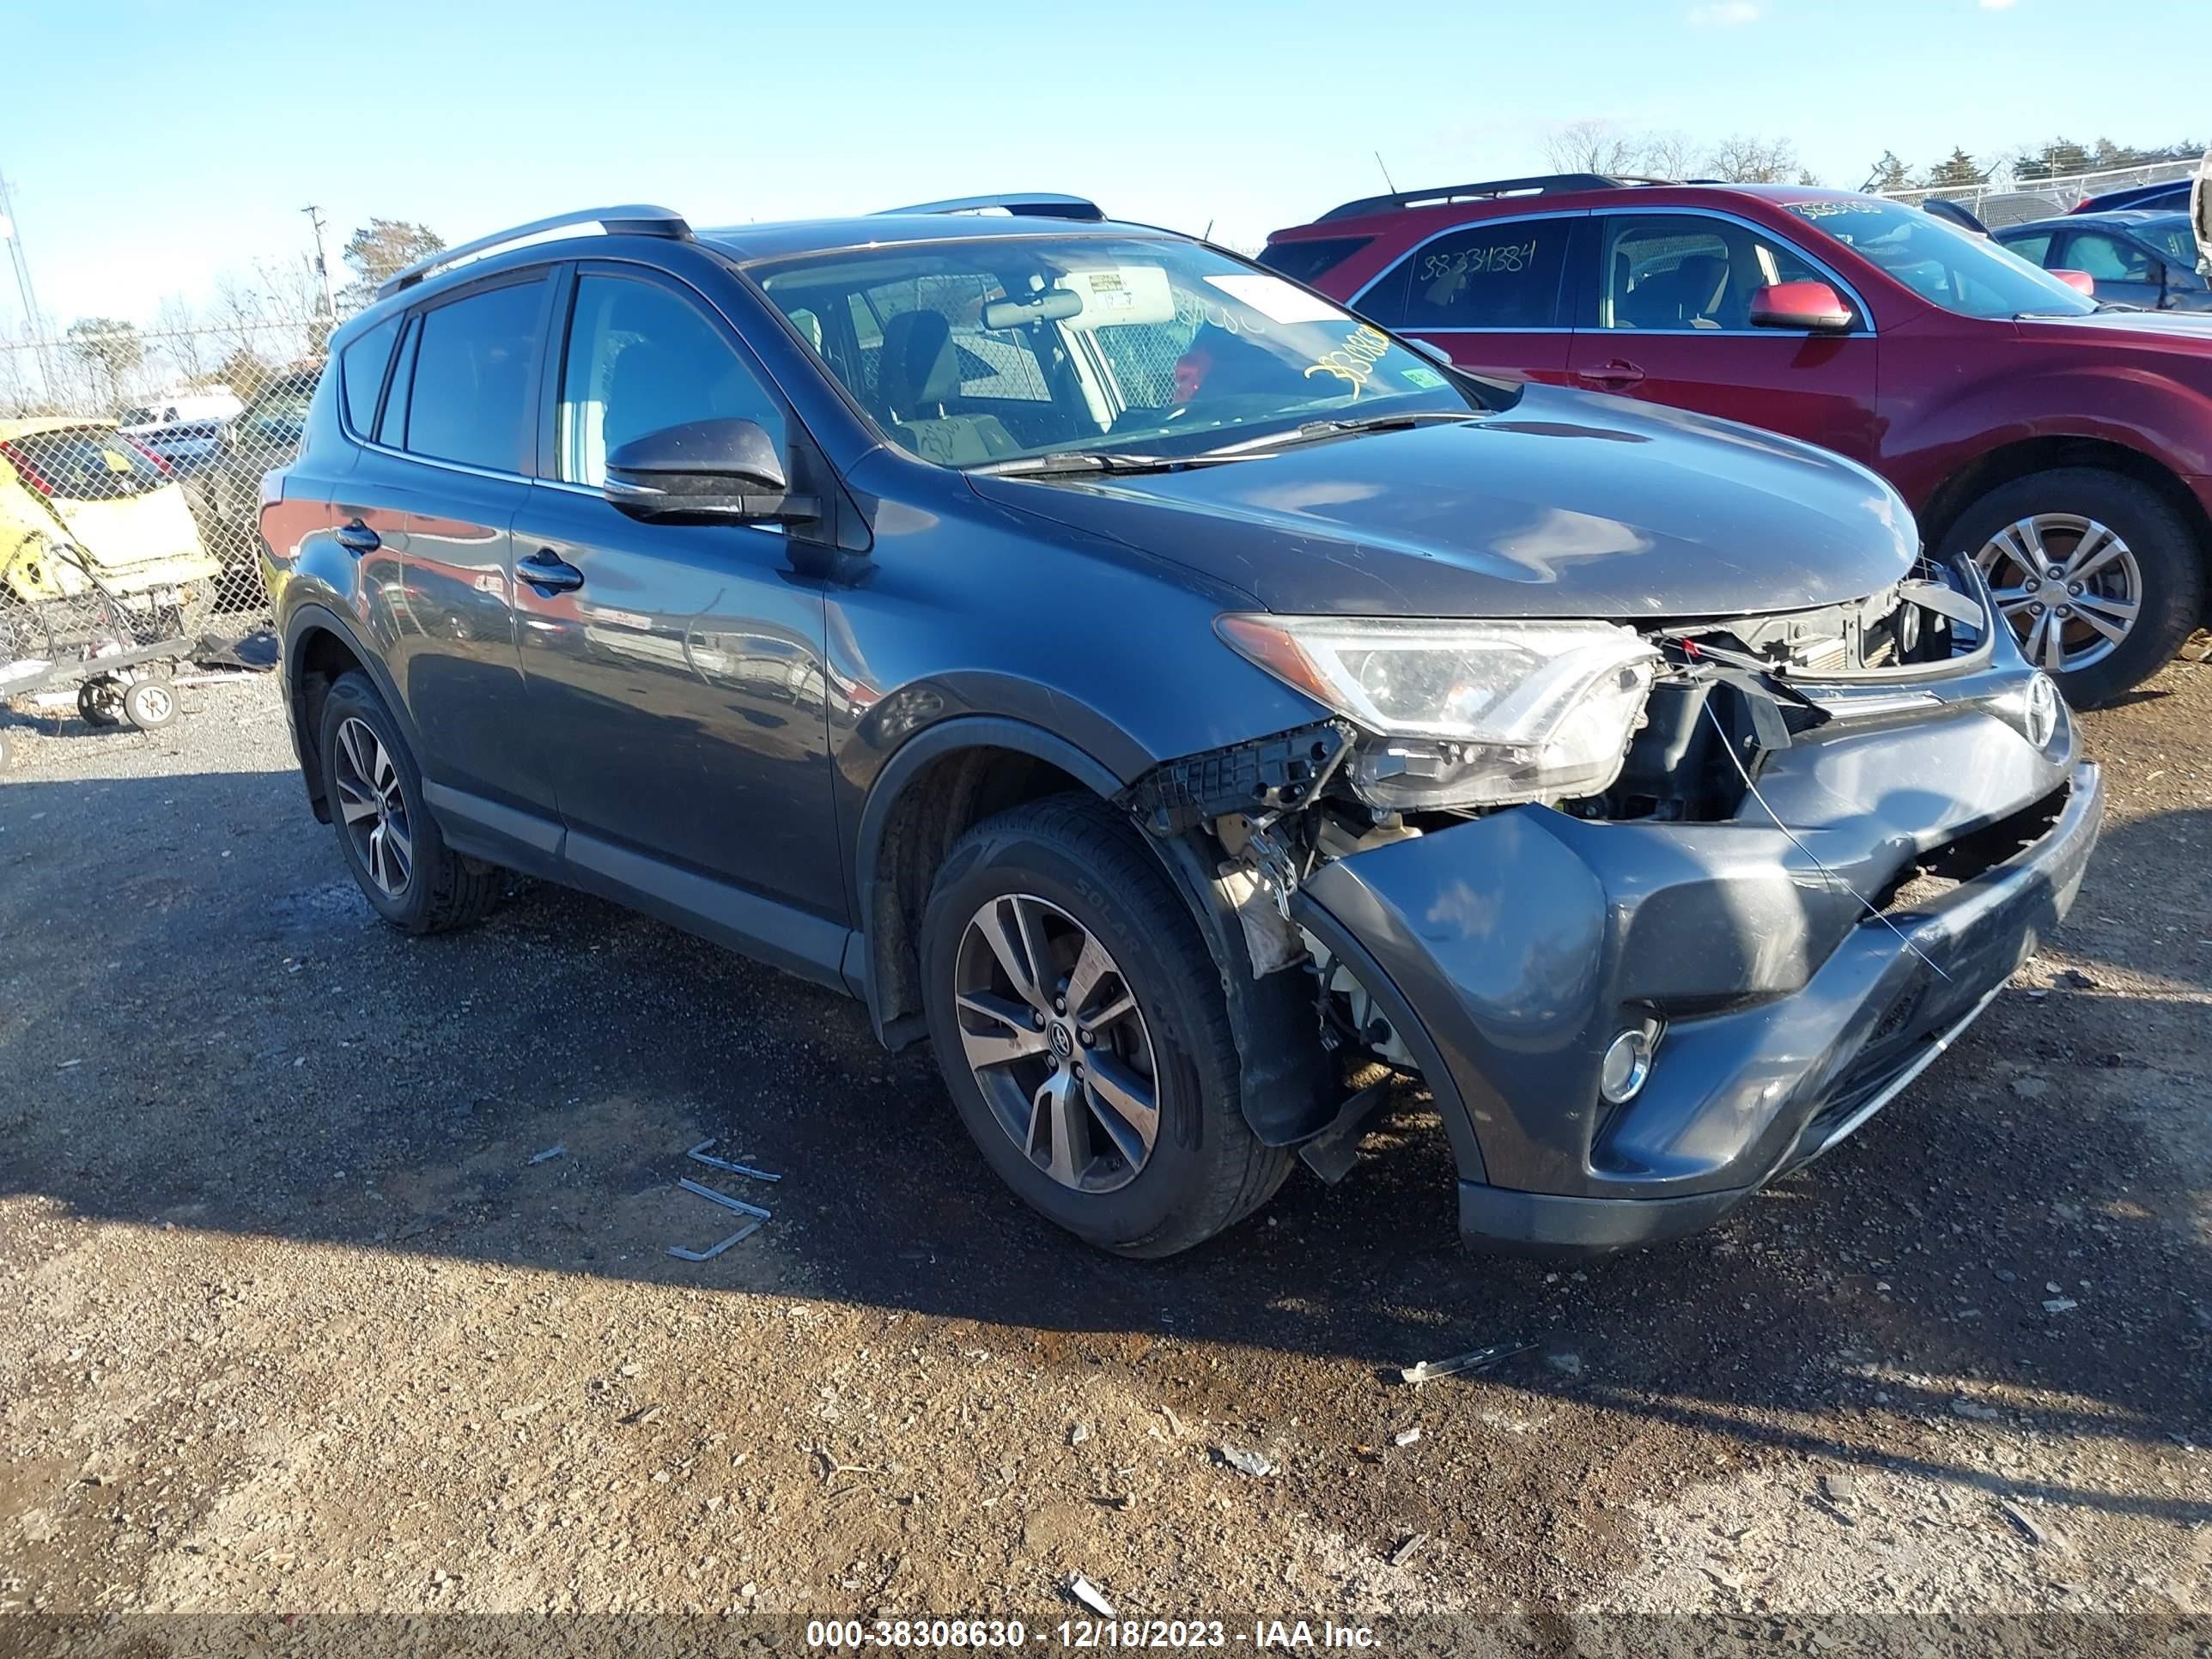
x=2124, y=272
x=675, y=669
x=1669, y=319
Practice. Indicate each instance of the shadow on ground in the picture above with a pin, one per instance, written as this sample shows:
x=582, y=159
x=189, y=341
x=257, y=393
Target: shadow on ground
x=203, y=1026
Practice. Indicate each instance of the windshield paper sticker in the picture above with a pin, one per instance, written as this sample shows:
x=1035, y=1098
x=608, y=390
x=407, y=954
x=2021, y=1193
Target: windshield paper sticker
x=1352, y=363
x=1277, y=300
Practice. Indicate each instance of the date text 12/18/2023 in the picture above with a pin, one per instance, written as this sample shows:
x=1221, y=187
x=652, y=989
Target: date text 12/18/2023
x=1287, y=1634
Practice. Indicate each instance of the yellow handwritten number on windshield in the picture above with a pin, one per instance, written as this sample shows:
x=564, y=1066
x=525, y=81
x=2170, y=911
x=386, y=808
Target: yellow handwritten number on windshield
x=1353, y=363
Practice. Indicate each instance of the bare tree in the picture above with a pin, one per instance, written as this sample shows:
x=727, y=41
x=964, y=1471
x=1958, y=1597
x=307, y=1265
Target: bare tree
x=1744, y=159
x=1669, y=155
x=1592, y=146
x=178, y=333
x=293, y=301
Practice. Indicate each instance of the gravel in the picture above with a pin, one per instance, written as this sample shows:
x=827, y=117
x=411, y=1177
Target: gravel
x=297, y=1322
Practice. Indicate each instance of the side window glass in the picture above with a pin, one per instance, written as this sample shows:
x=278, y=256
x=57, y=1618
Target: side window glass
x=392, y=430
x=362, y=366
x=1667, y=274
x=2108, y=259
x=469, y=399
x=1499, y=275
x=639, y=358
x=2035, y=249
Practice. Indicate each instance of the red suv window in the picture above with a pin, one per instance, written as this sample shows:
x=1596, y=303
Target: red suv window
x=1504, y=273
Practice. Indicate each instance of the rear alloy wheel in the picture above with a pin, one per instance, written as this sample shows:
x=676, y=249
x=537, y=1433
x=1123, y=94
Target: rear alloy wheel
x=2098, y=576
x=1056, y=1044
x=372, y=811
x=392, y=844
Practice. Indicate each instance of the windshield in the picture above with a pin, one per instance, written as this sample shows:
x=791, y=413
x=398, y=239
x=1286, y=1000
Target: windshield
x=1944, y=266
x=976, y=351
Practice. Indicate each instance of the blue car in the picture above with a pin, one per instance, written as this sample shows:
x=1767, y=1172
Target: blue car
x=2139, y=258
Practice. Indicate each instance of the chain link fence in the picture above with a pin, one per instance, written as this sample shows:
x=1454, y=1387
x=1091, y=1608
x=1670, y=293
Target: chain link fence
x=208, y=408
x=2005, y=199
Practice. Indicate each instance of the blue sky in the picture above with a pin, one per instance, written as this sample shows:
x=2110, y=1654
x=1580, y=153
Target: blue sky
x=153, y=144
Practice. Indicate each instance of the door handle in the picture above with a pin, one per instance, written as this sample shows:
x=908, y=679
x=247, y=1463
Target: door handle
x=1615, y=373
x=356, y=538
x=549, y=573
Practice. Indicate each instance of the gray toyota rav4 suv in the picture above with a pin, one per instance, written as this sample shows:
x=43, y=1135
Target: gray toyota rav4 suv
x=1186, y=705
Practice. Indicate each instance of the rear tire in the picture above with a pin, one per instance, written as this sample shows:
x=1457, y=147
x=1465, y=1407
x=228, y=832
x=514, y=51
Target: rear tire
x=2159, y=558
x=370, y=780
x=1076, y=860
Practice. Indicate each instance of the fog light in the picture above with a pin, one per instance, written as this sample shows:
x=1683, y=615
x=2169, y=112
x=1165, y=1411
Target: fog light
x=2040, y=706
x=1627, y=1063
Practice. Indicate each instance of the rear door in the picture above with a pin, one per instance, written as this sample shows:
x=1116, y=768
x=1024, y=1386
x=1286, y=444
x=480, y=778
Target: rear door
x=444, y=427
x=1666, y=317
x=676, y=669
x=1494, y=295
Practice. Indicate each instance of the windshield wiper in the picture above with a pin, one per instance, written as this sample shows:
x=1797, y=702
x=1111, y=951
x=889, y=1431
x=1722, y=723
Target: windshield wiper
x=1082, y=460
x=1314, y=431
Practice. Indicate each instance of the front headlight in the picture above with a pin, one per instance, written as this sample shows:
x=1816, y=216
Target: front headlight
x=1464, y=714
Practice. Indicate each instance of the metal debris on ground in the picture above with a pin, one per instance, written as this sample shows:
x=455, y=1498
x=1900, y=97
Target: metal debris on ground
x=1837, y=1488
x=638, y=1418
x=556, y=1150
x=1406, y=1546
x=716, y=1248
x=1474, y=1360
x=1246, y=1462
x=698, y=1155
x=1406, y=1436
x=1089, y=1593
x=723, y=1199
x=1079, y=1434
x=2027, y=1522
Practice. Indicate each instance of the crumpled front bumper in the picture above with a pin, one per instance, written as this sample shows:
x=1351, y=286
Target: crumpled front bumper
x=1509, y=951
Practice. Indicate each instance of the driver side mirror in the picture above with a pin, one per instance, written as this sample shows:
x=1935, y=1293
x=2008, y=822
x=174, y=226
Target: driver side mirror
x=728, y=470
x=2079, y=281
x=1805, y=305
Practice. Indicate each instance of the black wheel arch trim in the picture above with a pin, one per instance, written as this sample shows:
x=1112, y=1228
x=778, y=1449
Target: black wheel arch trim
x=1288, y=1090
x=311, y=616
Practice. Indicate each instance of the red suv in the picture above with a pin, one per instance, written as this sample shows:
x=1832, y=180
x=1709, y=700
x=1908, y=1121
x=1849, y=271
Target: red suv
x=2067, y=445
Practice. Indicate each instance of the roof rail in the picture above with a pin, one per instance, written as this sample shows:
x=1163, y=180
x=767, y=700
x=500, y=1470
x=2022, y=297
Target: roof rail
x=1031, y=204
x=1542, y=184
x=635, y=220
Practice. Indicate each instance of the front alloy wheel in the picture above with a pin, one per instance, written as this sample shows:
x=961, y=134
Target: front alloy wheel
x=1056, y=1042
x=2069, y=585
x=372, y=807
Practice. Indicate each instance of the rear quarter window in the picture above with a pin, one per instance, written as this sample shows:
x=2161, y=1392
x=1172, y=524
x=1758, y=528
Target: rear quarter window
x=1304, y=261
x=360, y=369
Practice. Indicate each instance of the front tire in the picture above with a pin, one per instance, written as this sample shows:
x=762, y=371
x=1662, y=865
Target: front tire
x=385, y=834
x=1079, y=1023
x=2099, y=577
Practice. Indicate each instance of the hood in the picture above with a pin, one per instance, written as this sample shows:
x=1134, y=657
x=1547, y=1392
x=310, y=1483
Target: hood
x=1568, y=504
x=2163, y=329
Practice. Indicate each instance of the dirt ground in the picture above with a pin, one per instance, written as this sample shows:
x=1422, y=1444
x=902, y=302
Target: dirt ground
x=302, y=1317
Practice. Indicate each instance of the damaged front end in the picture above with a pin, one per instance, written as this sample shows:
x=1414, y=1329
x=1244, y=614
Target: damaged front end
x=1591, y=884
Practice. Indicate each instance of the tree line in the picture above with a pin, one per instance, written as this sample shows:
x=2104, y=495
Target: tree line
x=1604, y=147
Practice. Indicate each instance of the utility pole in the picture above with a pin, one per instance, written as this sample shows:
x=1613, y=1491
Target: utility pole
x=12, y=233
x=322, y=266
